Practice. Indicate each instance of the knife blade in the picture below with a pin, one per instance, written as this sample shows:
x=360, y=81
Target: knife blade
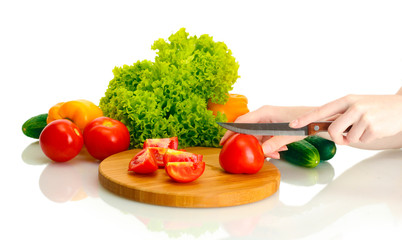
x=273, y=129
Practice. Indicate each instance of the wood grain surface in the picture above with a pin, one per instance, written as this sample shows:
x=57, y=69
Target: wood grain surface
x=215, y=188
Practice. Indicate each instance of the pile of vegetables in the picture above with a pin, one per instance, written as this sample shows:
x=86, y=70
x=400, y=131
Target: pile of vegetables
x=168, y=97
x=309, y=152
x=69, y=126
x=180, y=95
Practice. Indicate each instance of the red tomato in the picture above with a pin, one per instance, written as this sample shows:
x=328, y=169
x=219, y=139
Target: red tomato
x=184, y=172
x=183, y=166
x=105, y=136
x=171, y=143
x=61, y=140
x=241, y=154
x=143, y=162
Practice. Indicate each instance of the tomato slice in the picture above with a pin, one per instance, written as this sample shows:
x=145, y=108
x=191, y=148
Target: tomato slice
x=185, y=172
x=181, y=156
x=143, y=162
x=183, y=166
x=179, y=165
x=158, y=154
x=171, y=143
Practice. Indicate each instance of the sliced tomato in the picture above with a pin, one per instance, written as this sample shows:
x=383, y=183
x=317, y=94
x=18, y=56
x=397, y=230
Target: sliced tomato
x=183, y=166
x=143, y=162
x=171, y=143
x=158, y=154
x=181, y=156
x=184, y=172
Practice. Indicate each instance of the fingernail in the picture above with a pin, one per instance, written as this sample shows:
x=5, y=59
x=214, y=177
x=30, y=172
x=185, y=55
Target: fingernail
x=274, y=155
x=277, y=155
x=293, y=123
x=283, y=148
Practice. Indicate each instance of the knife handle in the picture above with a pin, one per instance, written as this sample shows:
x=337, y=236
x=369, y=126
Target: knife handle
x=316, y=127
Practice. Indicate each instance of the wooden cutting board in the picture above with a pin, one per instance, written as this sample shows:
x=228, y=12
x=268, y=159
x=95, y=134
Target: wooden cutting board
x=215, y=188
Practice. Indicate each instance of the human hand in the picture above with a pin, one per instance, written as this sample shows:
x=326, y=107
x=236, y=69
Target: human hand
x=371, y=117
x=271, y=114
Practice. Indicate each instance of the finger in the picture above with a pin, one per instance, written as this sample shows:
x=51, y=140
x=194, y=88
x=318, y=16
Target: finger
x=356, y=132
x=274, y=155
x=252, y=117
x=367, y=137
x=338, y=137
x=283, y=148
x=328, y=110
x=276, y=142
x=371, y=131
x=226, y=136
x=338, y=127
x=265, y=138
x=259, y=138
x=332, y=118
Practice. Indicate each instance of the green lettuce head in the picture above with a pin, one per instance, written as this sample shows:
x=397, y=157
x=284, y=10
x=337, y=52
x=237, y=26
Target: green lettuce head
x=168, y=97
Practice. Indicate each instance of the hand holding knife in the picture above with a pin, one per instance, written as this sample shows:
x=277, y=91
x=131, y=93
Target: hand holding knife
x=280, y=130
x=365, y=118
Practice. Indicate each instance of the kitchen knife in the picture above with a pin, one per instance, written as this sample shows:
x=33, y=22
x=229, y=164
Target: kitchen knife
x=272, y=129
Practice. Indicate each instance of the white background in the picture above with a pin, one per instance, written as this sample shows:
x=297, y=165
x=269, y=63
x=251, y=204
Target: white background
x=290, y=53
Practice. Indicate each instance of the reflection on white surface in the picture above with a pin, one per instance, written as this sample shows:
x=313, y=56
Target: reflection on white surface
x=61, y=182
x=366, y=194
x=301, y=176
x=239, y=220
x=374, y=182
x=67, y=181
x=33, y=155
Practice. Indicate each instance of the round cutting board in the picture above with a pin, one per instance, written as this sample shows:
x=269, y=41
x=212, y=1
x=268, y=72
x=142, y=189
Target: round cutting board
x=215, y=187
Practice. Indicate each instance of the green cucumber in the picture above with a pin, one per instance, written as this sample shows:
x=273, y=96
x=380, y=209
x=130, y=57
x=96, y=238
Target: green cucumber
x=325, y=147
x=301, y=153
x=34, y=126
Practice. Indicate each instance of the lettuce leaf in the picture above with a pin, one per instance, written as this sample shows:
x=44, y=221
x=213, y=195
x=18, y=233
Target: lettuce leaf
x=168, y=97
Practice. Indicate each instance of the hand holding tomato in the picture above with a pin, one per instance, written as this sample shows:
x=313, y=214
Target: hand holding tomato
x=61, y=140
x=105, y=136
x=242, y=154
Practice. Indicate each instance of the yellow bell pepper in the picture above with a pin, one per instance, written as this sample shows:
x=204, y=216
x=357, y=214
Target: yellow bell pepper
x=80, y=112
x=233, y=108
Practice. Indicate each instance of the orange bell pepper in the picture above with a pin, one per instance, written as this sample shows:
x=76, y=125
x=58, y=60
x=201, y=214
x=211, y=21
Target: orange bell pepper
x=80, y=112
x=233, y=108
